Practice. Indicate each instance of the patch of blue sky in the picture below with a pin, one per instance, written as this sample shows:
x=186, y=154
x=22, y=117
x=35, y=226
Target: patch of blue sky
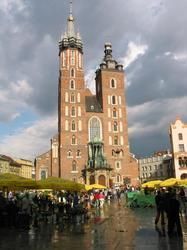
x=22, y=121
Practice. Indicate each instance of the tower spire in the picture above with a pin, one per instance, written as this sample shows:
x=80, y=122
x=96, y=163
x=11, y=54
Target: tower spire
x=70, y=37
x=71, y=7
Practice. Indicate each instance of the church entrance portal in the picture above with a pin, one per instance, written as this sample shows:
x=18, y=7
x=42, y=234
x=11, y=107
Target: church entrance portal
x=102, y=180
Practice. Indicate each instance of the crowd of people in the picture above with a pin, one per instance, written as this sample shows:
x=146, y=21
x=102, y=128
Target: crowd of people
x=23, y=210
x=26, y=209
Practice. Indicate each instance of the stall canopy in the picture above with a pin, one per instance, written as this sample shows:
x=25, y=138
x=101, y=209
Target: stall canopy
x=56, y=183
x=15, y=182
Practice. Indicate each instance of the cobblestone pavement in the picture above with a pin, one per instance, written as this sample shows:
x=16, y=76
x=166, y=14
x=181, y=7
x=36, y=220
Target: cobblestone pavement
x=114, y=227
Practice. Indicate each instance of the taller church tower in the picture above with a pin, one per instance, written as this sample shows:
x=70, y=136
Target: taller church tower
x=71, y=103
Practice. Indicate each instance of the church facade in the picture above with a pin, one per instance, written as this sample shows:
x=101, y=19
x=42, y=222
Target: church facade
x=91, y=145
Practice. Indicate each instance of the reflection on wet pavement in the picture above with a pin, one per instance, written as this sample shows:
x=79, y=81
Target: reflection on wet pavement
x=113, y=227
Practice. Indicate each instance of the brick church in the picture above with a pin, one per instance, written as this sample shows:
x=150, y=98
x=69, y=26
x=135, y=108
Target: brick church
x=92, y=141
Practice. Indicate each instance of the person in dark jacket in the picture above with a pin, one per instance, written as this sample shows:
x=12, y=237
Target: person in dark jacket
x=160, y=206
x=173, y=216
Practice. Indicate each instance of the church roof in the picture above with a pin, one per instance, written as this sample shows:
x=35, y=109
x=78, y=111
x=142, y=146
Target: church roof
x=92, y=105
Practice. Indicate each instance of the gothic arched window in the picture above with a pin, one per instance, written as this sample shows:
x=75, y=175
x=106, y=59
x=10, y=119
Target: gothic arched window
x=114, y=112
x=73, y=127
x=116, y=140
x=115, y=127
x=72, y=84
x=69, y=154
x=95, y=129
x=72, y=73
x=73, y=140
x=78, y=153
x=113, y=83
x=73, y=111
x=113, y=99
x=72, y=99
x=74, y=166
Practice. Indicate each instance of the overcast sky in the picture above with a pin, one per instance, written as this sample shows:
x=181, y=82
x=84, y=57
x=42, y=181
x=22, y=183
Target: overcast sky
x=149, y=37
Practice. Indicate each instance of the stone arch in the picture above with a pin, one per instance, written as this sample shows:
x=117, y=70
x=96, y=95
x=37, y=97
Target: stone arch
x=92, y=179
x=102, y=180
x=183, y=176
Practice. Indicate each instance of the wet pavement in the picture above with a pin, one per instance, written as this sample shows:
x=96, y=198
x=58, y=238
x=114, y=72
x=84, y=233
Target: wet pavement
x=115, y=227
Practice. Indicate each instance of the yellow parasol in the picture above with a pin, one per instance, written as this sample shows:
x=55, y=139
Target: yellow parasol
x=97, y=186
x=151, y=184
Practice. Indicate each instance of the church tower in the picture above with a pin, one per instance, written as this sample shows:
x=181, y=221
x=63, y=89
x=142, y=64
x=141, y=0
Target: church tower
x=92, y=141
x=71, y=99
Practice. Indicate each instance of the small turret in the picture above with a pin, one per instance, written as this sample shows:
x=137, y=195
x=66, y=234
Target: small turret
x=108, y=61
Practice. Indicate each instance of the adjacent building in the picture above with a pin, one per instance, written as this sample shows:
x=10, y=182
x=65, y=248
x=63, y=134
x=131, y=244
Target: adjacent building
x=9, y=165
x=26, y=168
x=156, y=167
x=178, y=138
x=92, y=142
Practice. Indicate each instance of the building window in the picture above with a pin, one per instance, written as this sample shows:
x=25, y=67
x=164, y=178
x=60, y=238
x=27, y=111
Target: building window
x=116, y=140
x=113, y=83
x=74, y=166
x=78, y=155
x=115, y=126
x=118, y=164
x=72, y=99
x=95, y=129
x=180, y=136
x=73, y=111
x=118, y=179
x=72, y=57
x=114, y=100
x=72, y=84
x=73, y=140
x=114, y=113
x=72, y=73
x=69, y=154
x=73, y=126
x=181, y=148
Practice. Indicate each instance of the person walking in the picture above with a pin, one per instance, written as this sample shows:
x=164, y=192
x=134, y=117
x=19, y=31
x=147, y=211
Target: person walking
x=160, y=206
x=173, y=216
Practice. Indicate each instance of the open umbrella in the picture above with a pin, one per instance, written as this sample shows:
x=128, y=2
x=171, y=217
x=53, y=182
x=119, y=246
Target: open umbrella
x=97, y=186
x=170, y=182
x=152, y=184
